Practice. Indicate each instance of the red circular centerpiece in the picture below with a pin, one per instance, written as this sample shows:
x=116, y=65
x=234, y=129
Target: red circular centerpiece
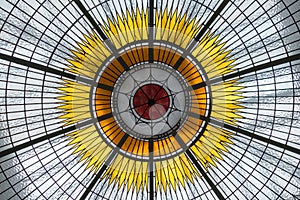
x=151, y=101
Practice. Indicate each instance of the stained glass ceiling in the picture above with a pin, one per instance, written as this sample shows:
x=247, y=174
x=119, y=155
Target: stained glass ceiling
x=154, y=99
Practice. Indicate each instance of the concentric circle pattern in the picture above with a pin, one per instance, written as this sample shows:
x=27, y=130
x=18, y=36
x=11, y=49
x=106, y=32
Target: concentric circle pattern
x=151, y=104
x=149, y=99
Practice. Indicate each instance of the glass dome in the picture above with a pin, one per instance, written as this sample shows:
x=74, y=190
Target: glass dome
x=149, y=99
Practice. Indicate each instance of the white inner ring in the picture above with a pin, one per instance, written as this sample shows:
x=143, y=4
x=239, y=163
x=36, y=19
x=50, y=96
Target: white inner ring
x=130, y=81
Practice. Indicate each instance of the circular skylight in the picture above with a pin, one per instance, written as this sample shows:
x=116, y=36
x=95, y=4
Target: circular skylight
x=149, y=99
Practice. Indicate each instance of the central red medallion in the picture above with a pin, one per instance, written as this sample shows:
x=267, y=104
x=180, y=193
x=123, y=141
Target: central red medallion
x=151, y=101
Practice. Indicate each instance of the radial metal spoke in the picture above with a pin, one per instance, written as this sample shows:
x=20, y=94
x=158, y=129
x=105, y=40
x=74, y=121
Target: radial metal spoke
x=45, y=137
x=91, y=20
x=211, y=20
x=201, y=33
x=96, y=178
x=203, y=173
x=199, y=85
x=151, y=169
x=54, y=71
x=104, y=167
x=206, y=26
x=198, y=116
x=179, y=62
x=151, y=30
x=151, y=182
x=261, y=138
x=105, y=87
x=44, y=68
x=102, y=34
x=151, y=13
x=257, y=68
x=198, y=166
x=104, y=117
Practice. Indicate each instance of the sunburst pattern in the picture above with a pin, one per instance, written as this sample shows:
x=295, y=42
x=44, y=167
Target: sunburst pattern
x=90, y=147
x=174, y=28
x=146, y=99
x=89, y=56
x=75, y=102
x=127, y=28
x=92, y=53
